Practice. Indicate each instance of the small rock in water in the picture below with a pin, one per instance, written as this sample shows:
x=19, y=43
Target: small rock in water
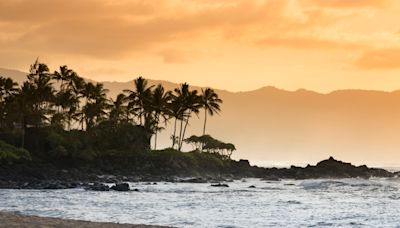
x=135, y=190
x=220, y=185
x=193, y=180
x=121, y=187
x=252, y=186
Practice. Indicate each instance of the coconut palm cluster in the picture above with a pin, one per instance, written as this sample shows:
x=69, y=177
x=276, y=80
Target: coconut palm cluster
x=67, y=101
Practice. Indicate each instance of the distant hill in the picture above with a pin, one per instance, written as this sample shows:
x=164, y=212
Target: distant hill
x=16, y=75
x=270, y=125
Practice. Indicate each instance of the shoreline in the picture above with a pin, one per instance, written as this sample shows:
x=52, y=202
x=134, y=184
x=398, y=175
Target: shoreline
x=12, y=219
x=53, y=177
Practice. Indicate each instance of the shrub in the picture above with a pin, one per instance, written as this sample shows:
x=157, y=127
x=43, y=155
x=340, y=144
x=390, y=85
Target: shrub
x=9, y=153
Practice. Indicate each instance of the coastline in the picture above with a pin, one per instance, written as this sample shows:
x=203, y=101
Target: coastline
x=9, y=220
x=35, y=176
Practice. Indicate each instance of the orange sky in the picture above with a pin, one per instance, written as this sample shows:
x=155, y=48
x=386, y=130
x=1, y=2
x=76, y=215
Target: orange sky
x=320, y=45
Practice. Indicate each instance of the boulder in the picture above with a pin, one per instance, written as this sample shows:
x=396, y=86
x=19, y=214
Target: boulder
x=193, y=180
x=220, y=185
x=121, y=187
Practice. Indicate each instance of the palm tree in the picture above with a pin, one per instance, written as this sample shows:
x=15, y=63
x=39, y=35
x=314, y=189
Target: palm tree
x=96, y=104
x=139, y=98
x=76, y=85
x=210, y=102
x=189, y=103
x=8, y=89
x=40, y=85
x=181, y=95
x=118, y=108
x=69, y=102
x=86, y=93
x=192, y=105
x=64, y=75
x=159, y=105
x=175, y=110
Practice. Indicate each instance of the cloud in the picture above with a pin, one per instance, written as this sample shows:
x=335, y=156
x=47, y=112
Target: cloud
x=349, y=3
x=307, y=43
x=104, y=29
x=175, y=56
x=379, y=59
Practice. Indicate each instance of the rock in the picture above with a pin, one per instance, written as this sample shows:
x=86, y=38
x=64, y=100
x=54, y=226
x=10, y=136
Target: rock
x=97, y=187
x=252, y=186
x=244, y=163
x=135, y=190
x=220, y=185
x=121, y=187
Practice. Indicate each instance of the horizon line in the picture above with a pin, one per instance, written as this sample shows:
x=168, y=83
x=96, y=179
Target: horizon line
x=300, y=89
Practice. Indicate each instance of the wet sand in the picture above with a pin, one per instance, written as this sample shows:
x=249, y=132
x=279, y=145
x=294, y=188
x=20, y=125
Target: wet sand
x=16, y=220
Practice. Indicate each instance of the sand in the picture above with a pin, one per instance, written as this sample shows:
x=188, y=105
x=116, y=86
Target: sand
x=16, y=220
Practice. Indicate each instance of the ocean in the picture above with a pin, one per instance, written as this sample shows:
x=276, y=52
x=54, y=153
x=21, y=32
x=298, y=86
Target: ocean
x=286, y=203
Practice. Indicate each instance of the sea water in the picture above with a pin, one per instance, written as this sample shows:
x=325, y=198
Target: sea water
x=286, y=203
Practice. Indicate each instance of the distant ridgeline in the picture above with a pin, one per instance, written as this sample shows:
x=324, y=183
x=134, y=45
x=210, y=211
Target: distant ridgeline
x=58, y=116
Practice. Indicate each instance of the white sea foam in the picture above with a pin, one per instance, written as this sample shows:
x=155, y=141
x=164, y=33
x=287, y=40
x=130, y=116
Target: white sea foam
x=288, y=203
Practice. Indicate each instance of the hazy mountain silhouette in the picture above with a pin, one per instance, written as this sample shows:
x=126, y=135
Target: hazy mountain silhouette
x=270, y=124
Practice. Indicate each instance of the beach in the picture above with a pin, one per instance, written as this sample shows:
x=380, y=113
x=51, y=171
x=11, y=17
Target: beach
x=17, y=220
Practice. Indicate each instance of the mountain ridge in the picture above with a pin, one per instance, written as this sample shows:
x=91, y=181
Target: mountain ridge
x=21, y=76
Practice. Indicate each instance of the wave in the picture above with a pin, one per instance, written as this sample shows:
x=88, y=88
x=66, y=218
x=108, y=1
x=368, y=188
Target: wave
x=355, y=183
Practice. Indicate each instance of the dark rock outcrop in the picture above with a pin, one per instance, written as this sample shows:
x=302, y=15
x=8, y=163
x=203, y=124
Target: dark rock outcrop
x=329, y=168
x=220, y=185
x=121, y=187
x=193, y=180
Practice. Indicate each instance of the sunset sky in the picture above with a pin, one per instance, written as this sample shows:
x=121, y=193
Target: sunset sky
x=232, y=44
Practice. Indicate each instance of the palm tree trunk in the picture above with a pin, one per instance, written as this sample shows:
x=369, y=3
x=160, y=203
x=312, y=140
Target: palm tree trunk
x=155, y=141
x=155, y=136
x=205, y=121
x=140, y=117
x=82, y=122
x=184, y=131
x=180, y=133
x=173, y=139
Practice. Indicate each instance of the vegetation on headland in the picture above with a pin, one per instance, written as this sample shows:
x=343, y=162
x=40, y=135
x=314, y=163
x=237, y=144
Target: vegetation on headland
x=59, y=117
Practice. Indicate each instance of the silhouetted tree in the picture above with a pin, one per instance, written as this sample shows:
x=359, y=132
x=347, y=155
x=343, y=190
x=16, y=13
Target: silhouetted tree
x=160, y=107
x=118, y=108
x=37, y=103
x=139, y=98
x=210, y=102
